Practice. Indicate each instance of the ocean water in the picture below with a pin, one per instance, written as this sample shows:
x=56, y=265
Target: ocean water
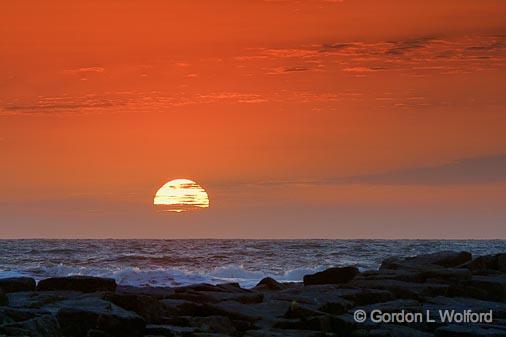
x=182, y=262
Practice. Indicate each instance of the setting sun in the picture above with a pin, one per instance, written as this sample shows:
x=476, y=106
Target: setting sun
x=180, y=195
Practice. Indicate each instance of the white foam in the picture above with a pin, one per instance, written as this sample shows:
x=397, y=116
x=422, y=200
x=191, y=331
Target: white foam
x=136, y=276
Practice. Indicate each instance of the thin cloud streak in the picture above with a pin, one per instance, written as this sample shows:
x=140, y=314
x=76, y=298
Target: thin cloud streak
x=466, y=171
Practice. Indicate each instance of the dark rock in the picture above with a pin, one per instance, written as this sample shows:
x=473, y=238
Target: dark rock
x=270, y=284
x=470, y=330
x=149, y=308
x=392, y=306
x=368, y=296
x=302, y=311
x=33, y=299
x=168, y=330
x=495, y=262
x=245, y=298
x=217, y=296
x=226, y=287
x=265, y=311
x=178, y=320
x=4, y=300
x=463, y=290
x=501, y=263
x=442, y=259
x=493, y=285
x=345, y=324
x=193, y=296
x=178, y=307
x=20, y=314
x=461, y=304
x=331, y=276
x=85, y=284
x=207, y=334
x=158, y=292
x=334, y=308
x=15, y=284
x=97, y=333
x=232, y=287
x=429, y=273
x=322, y=294
x=326, y=297
x=218, y=324
x=323, y=323
x=43, y=326
x=396, y=331
x=282, y=333
x=77, y=317
x=405, y=289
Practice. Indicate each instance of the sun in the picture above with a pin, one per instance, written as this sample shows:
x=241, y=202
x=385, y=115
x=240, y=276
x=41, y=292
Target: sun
x=181, y=195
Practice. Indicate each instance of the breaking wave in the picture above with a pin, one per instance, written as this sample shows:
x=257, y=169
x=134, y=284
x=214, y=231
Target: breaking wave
x=182, y=262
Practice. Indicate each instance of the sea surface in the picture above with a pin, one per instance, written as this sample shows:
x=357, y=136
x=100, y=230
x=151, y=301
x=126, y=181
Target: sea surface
x=182, y=262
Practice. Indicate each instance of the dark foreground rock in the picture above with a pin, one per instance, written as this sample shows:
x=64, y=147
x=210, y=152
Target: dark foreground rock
x=324, y=305
x=15, y=284
x=77, y=317
x=270, y=284
x=445, y=259
x=85, y=284
x=331, y=276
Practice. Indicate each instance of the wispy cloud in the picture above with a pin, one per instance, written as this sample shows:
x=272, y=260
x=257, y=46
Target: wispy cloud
x=428, y=54
x=361, y=69
x=479, y=170
x=84, y=70
x=156, y=100
x=466, y=171
x=61, y=104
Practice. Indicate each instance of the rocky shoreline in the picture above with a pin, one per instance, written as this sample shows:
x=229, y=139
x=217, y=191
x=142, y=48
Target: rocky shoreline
x=325, y=304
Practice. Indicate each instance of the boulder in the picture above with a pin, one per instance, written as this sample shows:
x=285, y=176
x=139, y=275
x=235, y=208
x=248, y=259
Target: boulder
x=217, y=296
x=493, y=285
x=217, y=324
x=232, y=287
x=97, y=333
x=149, y=308
x=331, y=276
x=77, y=317
x=15, y=284
x=226, y=287
x=501, y=262
x=265, y=311
x=4, y=300
x=420, y=275
x=442, y=259
x=325, y=324
x=34, y=299
x=43, y=326
x=302, y=311
x=169, y=330
x=327, y=297
x=496, y=262
x=9, y=314
x=367, y=296
x=158, y=292
x=85, y=284
x=269, y=283
x=406, y=290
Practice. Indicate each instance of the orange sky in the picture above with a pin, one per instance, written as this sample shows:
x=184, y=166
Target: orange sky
x=309, y=118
